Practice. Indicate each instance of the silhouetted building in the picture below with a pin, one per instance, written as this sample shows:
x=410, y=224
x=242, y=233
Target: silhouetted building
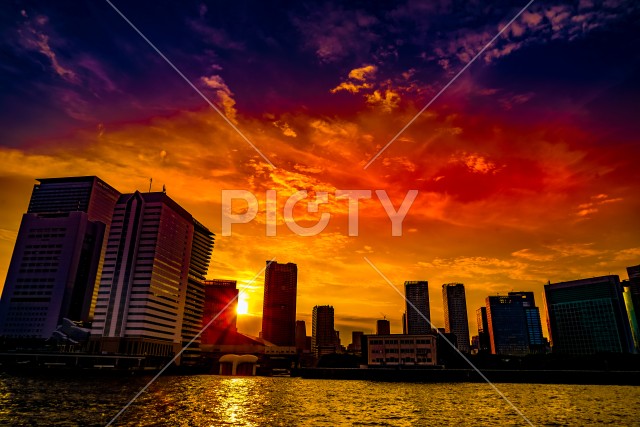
x=279, y=308
x=141, y=300
x=323, y=334
x=537, y=342
x=484, y=340
x=356, y=341
x=57, y=259
x=417, y=298
x=455, y=314
x=587, y=316
x=447, y=344
x=301, y=335
x=220, y=309
x=507, y=325
x=383, y=327
x=397, y=349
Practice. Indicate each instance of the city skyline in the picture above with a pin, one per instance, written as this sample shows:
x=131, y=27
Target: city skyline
x=525, y=165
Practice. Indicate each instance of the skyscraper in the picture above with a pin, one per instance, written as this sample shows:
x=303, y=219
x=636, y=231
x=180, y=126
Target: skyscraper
x=383, y=327
x=323, y=335
x=587, y=316
x=507, y=325
x=632, y=303
x=87, y=194
x=484, y=340
x=221, y=303
x=417, y=295
x=56, y=264
x=51, y=275
x=279, y=308
x=537, y=342
x=455, y=314
x=144, y=284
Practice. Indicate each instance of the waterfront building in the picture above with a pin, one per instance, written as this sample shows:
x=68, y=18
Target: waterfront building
x=383, y=327
x=455, y=314
x=220, y=310
x=87, y=194
x=57, y=257
x=145, y=280
x=400, y=349
x=279, y=308
x=507, y=323
x=417, y=307
x=537, y=342
x=356, y=341
x=323, y=334
x=484, y=340
x=588, y=316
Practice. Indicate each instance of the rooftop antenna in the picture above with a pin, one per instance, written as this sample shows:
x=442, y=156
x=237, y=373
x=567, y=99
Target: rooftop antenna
x=150, y=181
x=164, y=189
x=384, y=316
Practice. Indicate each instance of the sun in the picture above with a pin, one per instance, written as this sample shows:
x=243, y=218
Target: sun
x=243, y=304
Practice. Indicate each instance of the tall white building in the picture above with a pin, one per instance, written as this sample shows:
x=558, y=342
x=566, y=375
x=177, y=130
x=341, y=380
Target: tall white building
x=145, y=279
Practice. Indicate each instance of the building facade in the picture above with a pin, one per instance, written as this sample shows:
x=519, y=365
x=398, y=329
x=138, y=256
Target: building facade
x=323, y=334
x=397, y=349
x=507, y=325
x=456, y=320
x=143, y=290
x=587, y=316
x=279, y=307
x=87, y=194
x=537, y=343
x=56, y=265
x=484, y=340
x=51, y=274
x=417, y=307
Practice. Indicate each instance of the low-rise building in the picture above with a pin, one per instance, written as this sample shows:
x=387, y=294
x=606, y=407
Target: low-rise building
x=398, y=349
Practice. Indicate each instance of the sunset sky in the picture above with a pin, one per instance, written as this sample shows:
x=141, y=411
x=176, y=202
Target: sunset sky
x=527, y=166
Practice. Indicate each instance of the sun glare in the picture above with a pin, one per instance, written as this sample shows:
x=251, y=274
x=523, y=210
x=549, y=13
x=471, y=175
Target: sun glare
x=243, y=304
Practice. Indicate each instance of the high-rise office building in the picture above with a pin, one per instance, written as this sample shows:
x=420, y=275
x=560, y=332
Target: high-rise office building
x=537, y=343
x=143, y=290
x=323, y=335
x=51, y=274
x=279, y=308
x=507, y=325
x=383, y=327
x=417, y=307
x=455, y=314
x=587, y=316
x=404, y=323
x=87, y=194
x=220, y=305
x=484, y=340
x=55, y=264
